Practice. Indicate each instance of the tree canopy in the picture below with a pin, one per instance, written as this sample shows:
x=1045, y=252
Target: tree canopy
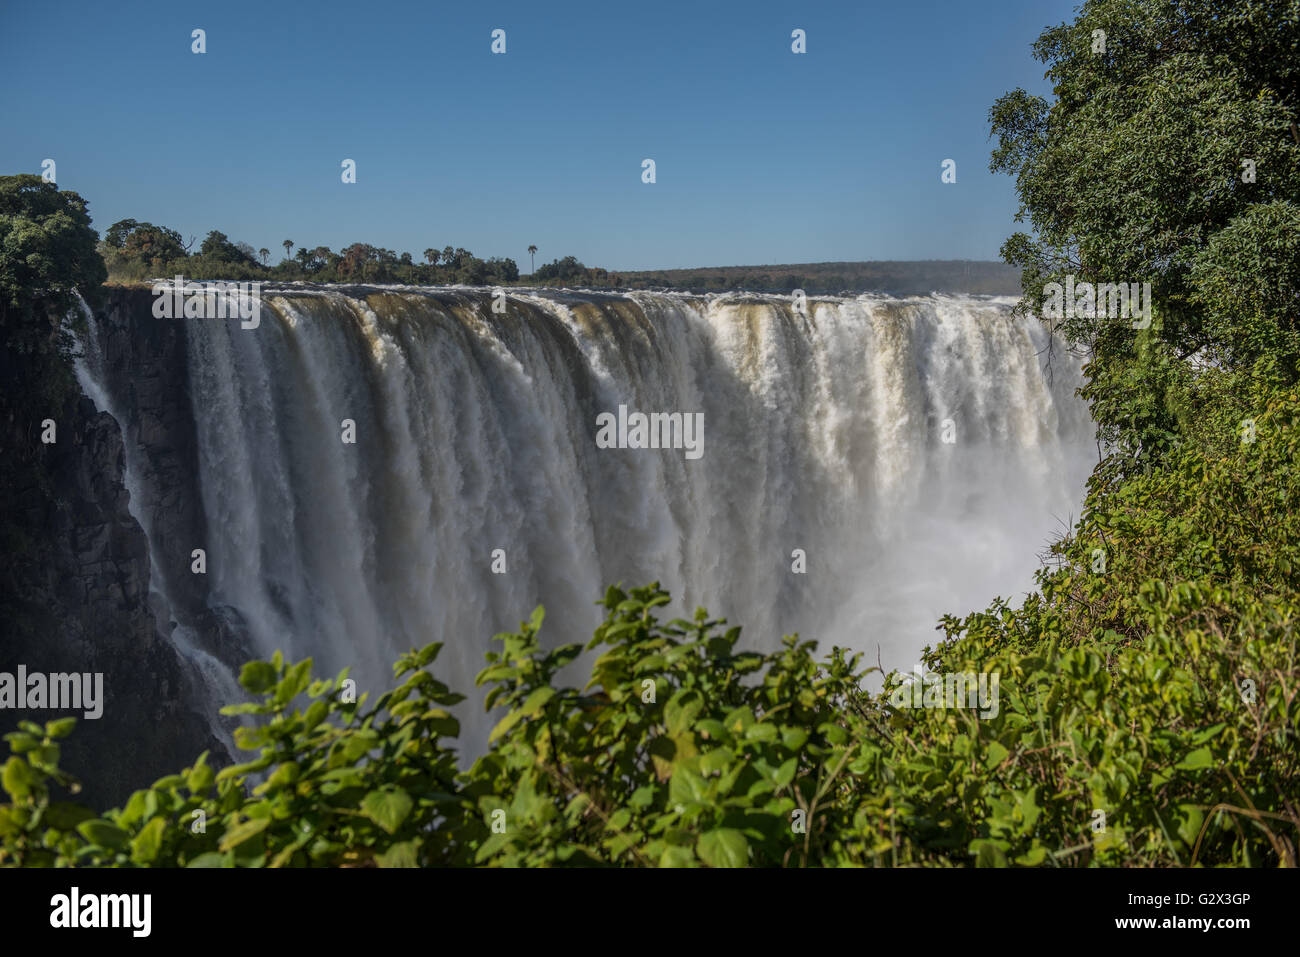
x=1170, y=155
x=47, y=246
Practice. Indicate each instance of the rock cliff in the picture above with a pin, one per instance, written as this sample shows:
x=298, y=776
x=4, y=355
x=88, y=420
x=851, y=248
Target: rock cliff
x=75, y=582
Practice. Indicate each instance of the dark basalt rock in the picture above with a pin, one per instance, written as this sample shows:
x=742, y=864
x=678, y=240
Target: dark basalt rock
x=75, y=586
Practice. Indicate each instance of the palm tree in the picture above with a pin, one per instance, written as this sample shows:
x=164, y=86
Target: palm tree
x=288, y=246
x=532, y=251
x=431, y=256
x=265, y=254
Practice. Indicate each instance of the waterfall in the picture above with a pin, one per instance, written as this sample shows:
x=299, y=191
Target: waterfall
x=90, y=367
x=911, y=455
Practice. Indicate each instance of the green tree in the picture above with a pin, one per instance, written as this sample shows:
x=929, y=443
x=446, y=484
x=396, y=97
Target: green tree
x=218, y=247
x=1170, y=146
x=47, y=252
x=566, y=269
x=532, y=263
x=136, y=250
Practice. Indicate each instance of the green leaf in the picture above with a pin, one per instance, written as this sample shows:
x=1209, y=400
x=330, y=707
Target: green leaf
x=686, y=786
x=995, y=754
x=792, y=739
x=1196, y=760
x=210, y=859
x=723, y=847
x=400, y=855
x=989, y=853
x=247, y=707
x=17, y=778
x=427, y=654
x=257, y=677
x=1189, y=823
x=388, y=809
x=201, y=776
x=677, y=857
x=357, y=744
x=295, y=682
x=1033, y=857
x=681, y=710
x=60, y=727
x=240, y=770
x=65, y=816
x=505, y=724
x=314, y=715
x=243, y=832
x=785, y=773
x=103, y=833
x=537, y=700
x=145, y=846
x=717, y=760
x=45, y=756
x=20, y=742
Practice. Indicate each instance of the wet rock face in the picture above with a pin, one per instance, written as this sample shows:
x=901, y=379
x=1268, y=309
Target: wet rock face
x=76, y=592
x=144, y=370
x=108, y=548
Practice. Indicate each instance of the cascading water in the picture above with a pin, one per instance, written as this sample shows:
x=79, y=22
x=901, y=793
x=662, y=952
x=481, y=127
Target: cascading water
x=212, y=675
x=910, y=454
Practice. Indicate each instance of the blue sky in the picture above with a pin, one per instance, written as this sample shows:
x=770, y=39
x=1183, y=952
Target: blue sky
x=762, y=155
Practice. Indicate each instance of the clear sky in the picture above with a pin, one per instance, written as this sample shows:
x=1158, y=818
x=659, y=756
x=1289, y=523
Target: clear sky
x=762, y=155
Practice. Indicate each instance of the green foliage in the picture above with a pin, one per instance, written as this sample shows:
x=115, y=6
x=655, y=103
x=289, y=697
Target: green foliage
x=47, y=251
x=47, y=247
x=334, y=783
x=681, y=751
x=47, y=256
x=135, y=251
x=1134, y=173
x=567, y=269
x=138, y=250
x=217, y=247
x=685, y=751
x=1246, y=284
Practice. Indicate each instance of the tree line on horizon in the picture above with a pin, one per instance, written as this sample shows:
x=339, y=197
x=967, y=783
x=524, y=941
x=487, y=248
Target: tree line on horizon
x=134, y=250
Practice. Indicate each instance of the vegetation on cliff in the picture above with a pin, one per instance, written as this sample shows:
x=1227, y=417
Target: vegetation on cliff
x=135, y=251
x=74, y=563
x=47, y=252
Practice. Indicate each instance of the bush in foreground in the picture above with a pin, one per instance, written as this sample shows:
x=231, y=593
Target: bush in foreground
x=686, y=751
